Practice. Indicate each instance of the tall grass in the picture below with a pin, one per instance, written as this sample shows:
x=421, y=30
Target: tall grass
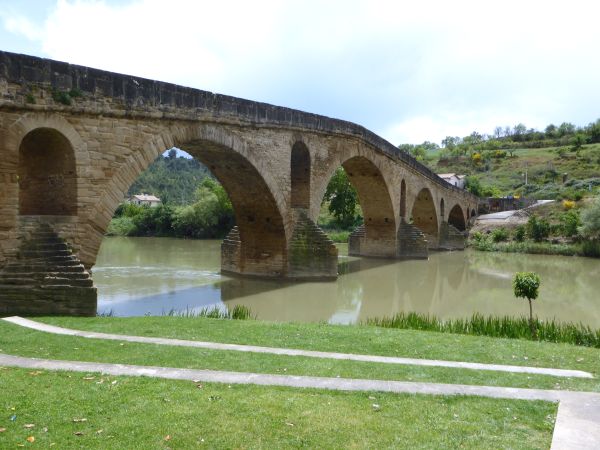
x=239, y=312
x=504, y=327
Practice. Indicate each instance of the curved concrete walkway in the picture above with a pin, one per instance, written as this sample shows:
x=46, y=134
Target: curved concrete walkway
x=294, y=352
x=577, y=423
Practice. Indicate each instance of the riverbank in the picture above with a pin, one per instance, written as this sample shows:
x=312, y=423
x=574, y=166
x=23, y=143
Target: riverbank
x=178, y=413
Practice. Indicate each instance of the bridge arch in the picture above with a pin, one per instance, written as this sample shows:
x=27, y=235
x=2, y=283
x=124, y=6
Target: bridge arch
x=256, y=201
x=47, y=174
x=423, y=213
x=300, y=172
x=456, y=218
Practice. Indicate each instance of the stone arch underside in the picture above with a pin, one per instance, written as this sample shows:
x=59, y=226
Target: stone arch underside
x=424, y=215
x=456, y=218
x=47, y=174
x=377, y=235
x=259, y=222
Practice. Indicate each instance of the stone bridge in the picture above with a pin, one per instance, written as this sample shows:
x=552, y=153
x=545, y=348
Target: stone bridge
x=73, y=140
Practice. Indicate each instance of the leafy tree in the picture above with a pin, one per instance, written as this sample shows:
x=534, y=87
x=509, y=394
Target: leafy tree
x=551, y=130
x=590, y=219
x=565, y=129
x=569, y=222
x=538, y=229
x=473, y=185
x=526, y=285
x=342, y=198
x=518, y=132
x=577, y=141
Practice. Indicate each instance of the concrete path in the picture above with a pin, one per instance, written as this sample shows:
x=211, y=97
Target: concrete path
x=577, y=424
x=293, y=352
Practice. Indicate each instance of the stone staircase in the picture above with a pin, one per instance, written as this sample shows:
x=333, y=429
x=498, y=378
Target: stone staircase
x=451, y=238
x=412, y=243
x=46, y=277
x=311, y=253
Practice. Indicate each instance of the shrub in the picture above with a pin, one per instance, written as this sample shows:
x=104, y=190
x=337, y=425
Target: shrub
x=590, y=219
x=520, y=233
x=569, y=223
x=500, y=234
x=538, y=229
x=568, y=204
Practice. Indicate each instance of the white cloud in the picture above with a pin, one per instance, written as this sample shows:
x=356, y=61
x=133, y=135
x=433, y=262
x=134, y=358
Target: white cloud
x=408, y=70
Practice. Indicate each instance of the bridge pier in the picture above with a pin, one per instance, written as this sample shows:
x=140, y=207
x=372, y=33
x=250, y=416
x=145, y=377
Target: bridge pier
x=45, y=277
x=451, y=238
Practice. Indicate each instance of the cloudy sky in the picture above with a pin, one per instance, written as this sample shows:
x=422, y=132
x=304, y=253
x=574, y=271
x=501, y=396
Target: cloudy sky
x=408, y=70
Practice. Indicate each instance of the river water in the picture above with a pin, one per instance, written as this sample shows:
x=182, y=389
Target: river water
x=139, y=276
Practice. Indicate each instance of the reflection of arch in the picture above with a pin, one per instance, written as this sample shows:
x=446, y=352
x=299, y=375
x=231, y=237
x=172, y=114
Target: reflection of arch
x=47, y=174
x=374, y=197
x=300, y=176
x=442, y=209
x=423, y=213
x=457, y=218
x=403, y=199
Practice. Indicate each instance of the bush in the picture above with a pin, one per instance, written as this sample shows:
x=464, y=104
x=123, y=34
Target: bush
x=520, y=233
x=590, y=219
x=569, y=223
x=538, y=229
x=121, y=226
x=568, y=204
x=500, y=234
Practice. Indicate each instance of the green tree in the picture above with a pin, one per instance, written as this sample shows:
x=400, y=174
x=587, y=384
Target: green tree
x=577, y=141
x=569, y=222
x=342, y=198
x=526, y=285
x=538, y=229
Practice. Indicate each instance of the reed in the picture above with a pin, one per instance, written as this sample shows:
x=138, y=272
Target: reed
x=503, y=327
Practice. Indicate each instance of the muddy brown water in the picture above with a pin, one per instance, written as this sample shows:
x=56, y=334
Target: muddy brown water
x=153, y=276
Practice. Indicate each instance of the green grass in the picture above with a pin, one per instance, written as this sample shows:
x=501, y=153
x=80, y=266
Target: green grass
x=544, y=166
x=505, y=327
x=357, y=339
x=338, y=236
x=145, y=413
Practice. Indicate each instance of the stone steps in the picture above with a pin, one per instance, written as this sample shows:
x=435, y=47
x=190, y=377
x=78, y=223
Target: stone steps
x=412, y=243
x=46, y=277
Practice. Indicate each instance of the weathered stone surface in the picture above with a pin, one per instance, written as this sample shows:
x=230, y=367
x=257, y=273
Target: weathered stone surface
x=104, y=129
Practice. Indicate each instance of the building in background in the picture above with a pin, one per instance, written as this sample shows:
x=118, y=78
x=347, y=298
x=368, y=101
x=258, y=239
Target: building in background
x=144, y=200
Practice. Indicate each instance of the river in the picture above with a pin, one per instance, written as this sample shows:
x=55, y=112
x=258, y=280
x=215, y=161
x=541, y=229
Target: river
x=153, y=276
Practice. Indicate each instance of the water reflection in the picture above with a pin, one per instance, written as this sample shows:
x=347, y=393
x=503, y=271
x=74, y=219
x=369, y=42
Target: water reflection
x=137, y=276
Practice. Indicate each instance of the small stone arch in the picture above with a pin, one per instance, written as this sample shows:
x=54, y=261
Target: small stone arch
x=456, y=218
x=47, y=174
x=423, y=213
x=403, y=199
x=300, y=176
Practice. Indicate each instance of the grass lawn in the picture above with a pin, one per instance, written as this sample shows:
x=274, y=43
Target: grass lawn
x=145, y=413
x=355, y=339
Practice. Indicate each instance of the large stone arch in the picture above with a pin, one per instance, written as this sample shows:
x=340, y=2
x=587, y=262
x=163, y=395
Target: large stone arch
x=424, y=215
x=456, y=218
x=377, y=236
x=253, y=192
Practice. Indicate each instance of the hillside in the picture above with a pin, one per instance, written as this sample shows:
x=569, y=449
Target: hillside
x=552, y=173
x=173, y=179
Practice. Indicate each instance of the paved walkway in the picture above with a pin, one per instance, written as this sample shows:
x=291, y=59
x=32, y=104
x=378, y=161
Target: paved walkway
x=577, y=423
x=294, y=352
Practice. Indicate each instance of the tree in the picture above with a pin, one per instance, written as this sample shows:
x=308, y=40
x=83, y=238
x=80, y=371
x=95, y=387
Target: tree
x=518, y=131
x=538, y=229
x=526, y=285
x=590, y=218
x=342, y=198
x=498, y=132
x=566, y=128
x=577, y=141
x=551, y=131
x=172, y=154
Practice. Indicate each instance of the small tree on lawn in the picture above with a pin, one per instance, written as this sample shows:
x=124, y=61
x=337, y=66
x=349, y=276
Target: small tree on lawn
x=526, y=285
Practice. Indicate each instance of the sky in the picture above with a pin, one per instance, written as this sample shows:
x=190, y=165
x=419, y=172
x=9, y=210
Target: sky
x=408, y=70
